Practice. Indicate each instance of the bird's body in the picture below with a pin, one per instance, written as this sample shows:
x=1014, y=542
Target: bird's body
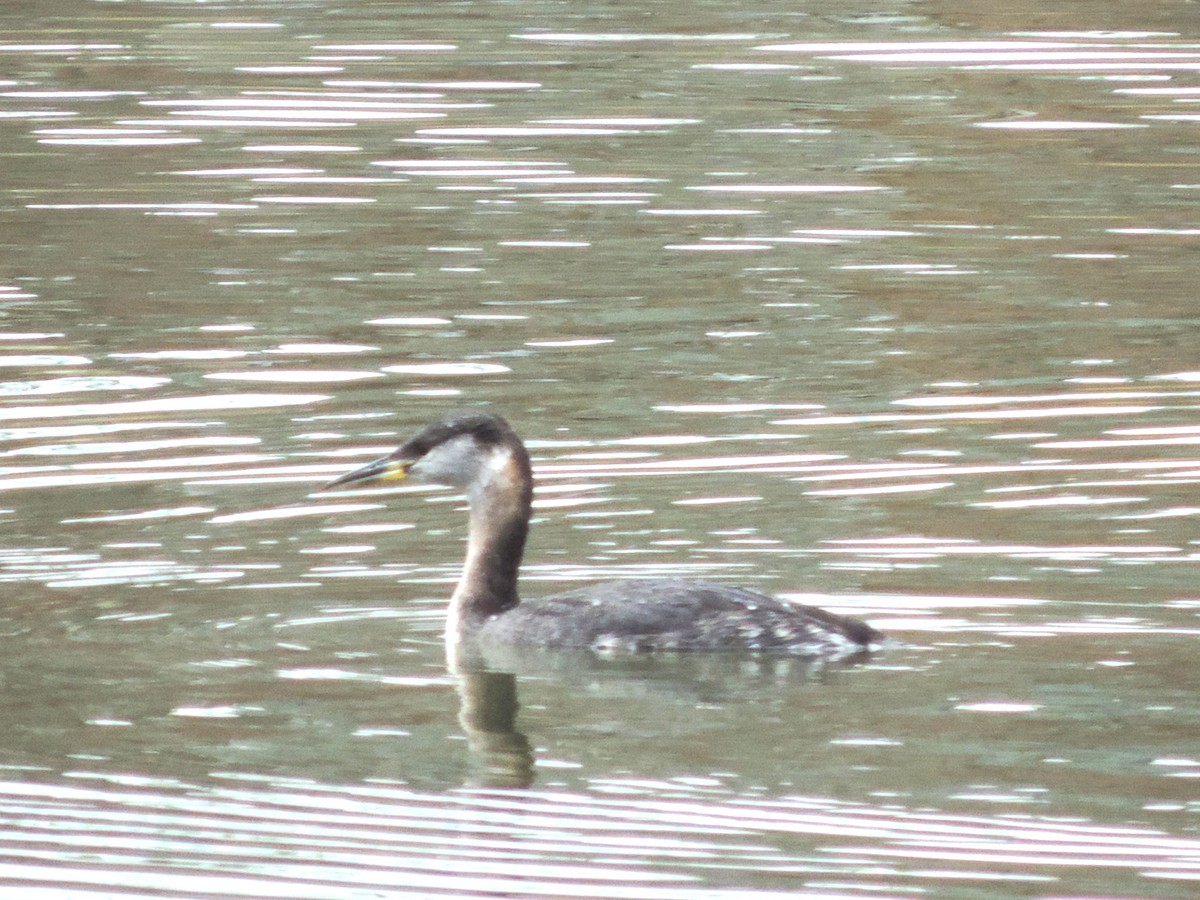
x=481, y=454
x=672, y=614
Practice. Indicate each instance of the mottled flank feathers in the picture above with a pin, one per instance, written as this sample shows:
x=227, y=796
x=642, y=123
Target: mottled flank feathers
x=647, y=615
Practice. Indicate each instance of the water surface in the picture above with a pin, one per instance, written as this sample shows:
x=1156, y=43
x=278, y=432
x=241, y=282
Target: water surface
x=886, y=308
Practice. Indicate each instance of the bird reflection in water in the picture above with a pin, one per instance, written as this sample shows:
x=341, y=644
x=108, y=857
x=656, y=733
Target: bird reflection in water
x=499, y=755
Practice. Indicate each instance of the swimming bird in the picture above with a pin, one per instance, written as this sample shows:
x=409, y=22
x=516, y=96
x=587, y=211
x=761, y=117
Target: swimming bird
x=479, y=453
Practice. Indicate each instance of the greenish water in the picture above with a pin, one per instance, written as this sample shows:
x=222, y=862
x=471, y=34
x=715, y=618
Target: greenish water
x=887, y=308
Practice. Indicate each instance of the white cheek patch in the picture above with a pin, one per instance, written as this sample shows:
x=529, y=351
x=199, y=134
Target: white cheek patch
x=451, y=463
x=462, y=463
x=489, y=468
x=497, y=462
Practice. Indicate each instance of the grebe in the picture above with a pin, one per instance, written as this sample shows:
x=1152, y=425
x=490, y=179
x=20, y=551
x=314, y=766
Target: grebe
x=479, y=453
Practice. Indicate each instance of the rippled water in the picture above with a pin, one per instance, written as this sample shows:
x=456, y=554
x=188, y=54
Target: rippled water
x=883, y=307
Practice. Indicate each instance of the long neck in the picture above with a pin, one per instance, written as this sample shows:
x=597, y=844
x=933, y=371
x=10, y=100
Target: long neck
x=499, y=523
